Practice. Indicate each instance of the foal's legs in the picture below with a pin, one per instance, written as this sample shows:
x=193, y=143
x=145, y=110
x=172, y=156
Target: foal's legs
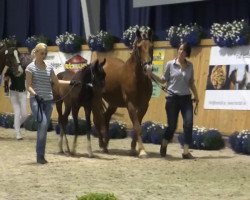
x=107, y=116
x=137, y=127
x=88, y=121
x=60, y=121
x=63, y=125
x=75, y=111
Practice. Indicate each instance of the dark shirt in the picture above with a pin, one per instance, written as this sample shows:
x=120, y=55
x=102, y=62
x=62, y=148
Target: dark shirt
x=17, y=82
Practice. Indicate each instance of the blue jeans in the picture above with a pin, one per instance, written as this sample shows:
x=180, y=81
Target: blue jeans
x=174, y=105
x=43, y=123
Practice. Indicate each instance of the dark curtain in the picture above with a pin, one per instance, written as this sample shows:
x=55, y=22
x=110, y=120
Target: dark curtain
x=118, y=15
x=50, y=18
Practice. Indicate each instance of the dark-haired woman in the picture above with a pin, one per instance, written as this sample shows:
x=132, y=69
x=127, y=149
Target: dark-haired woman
x=179, y=79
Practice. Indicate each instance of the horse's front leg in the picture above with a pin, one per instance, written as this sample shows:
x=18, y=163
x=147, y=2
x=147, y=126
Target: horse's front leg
x=75, y=111
x=60, y=122
x=101, y=128
x=137, y=127
x=88, y=121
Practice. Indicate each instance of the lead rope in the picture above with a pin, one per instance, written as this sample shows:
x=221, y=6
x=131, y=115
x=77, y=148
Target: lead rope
x=61, y=98
x=168, y=91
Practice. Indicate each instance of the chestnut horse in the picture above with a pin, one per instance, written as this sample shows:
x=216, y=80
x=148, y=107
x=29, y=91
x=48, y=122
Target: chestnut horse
x=87, y=94
x=128, y=85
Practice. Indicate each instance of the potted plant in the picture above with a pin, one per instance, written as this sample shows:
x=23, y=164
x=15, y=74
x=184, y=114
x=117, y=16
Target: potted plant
x=102, y=41
x=69, y=42
x=33, y=40
x=10, y=41
x=230, y=34
x=184, y=33
x=129, y=34
x=240, y=141
x=203, y=138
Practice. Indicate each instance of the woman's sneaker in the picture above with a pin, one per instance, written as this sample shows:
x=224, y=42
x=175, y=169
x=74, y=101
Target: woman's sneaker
x=188, y=156
x=19, y=136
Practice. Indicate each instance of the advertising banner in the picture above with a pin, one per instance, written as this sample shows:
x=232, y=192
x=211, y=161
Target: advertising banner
x=228, y=82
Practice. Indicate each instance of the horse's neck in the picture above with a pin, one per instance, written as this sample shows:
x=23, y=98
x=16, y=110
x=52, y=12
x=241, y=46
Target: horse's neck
x=134, y=65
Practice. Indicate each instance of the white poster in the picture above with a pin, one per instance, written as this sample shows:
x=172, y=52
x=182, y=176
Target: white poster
x=228, y=82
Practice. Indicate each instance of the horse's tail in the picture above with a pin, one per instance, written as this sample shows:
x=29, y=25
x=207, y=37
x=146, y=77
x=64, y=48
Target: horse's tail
x=104, y=106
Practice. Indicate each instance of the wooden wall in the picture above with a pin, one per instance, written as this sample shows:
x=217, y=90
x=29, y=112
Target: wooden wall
x=226, y=121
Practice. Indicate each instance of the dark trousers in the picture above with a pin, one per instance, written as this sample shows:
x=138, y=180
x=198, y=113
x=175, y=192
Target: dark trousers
x=174, y=105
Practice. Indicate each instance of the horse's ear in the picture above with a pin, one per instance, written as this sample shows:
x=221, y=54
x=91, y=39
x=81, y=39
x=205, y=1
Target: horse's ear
x=96, y=64
x=150, y=34
x=103, y=62
x=138, y=34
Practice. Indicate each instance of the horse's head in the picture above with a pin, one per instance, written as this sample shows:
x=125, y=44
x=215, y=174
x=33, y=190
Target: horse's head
x=10, y=58
x=143, y=49
x=95, y=76
x=99, y=74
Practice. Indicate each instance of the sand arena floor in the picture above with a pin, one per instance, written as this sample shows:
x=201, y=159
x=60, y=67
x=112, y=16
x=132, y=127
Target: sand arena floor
x=221, y=175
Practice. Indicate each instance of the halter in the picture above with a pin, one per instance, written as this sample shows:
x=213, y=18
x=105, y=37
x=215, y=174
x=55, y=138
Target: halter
x=164, y=89
x=71, y=88
x=138, y=56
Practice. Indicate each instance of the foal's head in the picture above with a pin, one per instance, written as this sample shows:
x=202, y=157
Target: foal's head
x=95, y=76
x=10, y=57
x=144, y=48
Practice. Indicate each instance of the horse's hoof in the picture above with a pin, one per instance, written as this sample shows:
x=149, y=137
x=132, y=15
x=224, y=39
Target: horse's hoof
x=91, y=156
x=133, y=153
x=68, y=153
x=143, y=154
x=60, y=152
x=105, y=151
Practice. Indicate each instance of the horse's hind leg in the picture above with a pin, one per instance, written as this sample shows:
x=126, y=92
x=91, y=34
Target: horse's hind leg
x=137, y=127
x=75, y=111
x=100, y=124
x=64, y=124
x=88, y=121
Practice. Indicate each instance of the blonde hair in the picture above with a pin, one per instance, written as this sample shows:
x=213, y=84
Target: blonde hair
x=38, y=47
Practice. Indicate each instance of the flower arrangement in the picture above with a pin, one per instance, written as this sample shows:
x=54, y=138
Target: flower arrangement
x=69, y=42
x=7, y=120
x=230, y=34
x=184, y=33
x=240, y=141
x=117, y=130
x=102, y=41
x=70, y=128
x=129, y=35
x=32, y=41
x=203, y=138
x=10, y=41
x=31, y=124
x=151, y=132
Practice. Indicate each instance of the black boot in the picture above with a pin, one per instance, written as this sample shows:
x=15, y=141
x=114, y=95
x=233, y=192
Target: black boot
x=41, y=160
x=163, y=148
